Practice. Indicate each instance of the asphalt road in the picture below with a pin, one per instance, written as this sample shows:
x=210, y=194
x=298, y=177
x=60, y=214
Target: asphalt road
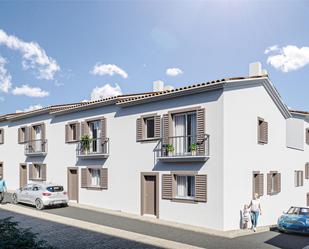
x=272, y=239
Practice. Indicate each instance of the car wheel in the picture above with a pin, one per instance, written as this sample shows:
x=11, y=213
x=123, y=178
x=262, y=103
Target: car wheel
x=39, y=204
x=65, y=205
x=15, y=199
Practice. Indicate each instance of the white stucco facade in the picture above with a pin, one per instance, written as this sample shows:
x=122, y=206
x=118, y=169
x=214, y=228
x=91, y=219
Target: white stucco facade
x=231, y=121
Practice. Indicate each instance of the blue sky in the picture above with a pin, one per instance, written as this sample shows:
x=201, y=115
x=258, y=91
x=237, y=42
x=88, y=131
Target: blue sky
x=141, y=40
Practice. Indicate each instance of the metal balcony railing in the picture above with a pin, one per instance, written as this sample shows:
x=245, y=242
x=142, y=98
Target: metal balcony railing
x=93, y=147
x=36, y=147
x=183, y=146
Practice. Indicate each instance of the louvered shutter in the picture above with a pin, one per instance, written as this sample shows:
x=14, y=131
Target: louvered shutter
x=31, y=171
x=157, y=126
x=67, y=133
x=1, y=136
x=166, y=128
x=167, y=186
x=302, y=178
x=84, y=128
x=278, y=182
x=104, y=178
x=200, y=114
x=43, y=171
x=307, y=171
x=43, y=136
x=269, y=175
x=307, y=199
x=201, y=188
x=307, y=136
x=1, y=170
x=20, y=140
x=84, y=177
x=78, y=131
x=27, y=134
x=139, y=129
x=103, y=135
x=261, y=184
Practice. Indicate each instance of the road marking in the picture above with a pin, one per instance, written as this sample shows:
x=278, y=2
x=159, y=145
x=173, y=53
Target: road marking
x=98, y=228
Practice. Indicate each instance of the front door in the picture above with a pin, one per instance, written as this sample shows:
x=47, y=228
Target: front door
x=22, y=175
x=149, y=194
x=73, y=184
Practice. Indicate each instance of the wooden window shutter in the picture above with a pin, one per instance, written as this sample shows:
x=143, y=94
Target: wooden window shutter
x=43, y=127
x=27, y=134
x=307, y=199
x=103, y=135
x=43, y=168
x=307, y=136
x=200, y=116
x=31, y=171
x=269, y=183
x=201, y=188
x=67, y=133
x=167, y=186
x=261, y=184
x=84, y=128
x=301, y=178
x=1, y=170
x=166, y=128
x=307, y=171
x=77, y=131
x=84, y=177
x=20, y=136
x=104, y=178
x=278, y=182
x=157, y=126
x=139, y=129
x=1, y=136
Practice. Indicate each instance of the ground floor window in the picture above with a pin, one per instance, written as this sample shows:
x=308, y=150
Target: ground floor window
x=299, y=178
x=95, y=177
x=185, y=186
x=37, y=171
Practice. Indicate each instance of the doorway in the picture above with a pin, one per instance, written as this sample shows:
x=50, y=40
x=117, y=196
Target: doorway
x=150, y=194
x=22, y=175
x=73, y=184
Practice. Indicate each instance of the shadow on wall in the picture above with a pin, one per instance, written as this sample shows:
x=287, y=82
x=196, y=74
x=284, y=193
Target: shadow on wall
x=292, y=241
x=163, y=166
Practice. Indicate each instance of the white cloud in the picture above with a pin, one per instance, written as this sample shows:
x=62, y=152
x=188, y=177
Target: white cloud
x=110, y=69
x=34, y=57
x=5, y=77
x=288, y=58
x=30, y=108
x=105, y=91
x=35, y=92
x=173, y=71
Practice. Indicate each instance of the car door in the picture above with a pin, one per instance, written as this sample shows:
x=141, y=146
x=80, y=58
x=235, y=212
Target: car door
x=33, y=193
x=24, y=193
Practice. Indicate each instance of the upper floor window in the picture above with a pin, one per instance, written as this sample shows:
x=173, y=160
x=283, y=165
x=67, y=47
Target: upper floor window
x=72, y=132
x=307, y=136
x=1, y=136
x=262, y=131
x=148, y=127
x=23, y=135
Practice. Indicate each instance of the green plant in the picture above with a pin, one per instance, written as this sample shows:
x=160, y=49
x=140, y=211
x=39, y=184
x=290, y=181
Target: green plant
x=193, y=147
x=85, y=142
x=169, y=147
x=13, y=237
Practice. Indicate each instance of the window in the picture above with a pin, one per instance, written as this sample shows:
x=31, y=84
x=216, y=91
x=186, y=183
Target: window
x=22, y=135
x=273, y=183
x=149, y=123
x=37, y=171
x=1, y=136
x=258, y=183
x=307, y=136
x=72, y=131
x=262, y=131
x=185, y=187
x=307, y=170
x=298, y=178
x=95, y=177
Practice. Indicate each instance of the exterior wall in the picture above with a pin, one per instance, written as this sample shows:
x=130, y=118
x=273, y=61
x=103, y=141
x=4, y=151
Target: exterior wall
x=295, y=135
x=243, y=155
x=128, y=158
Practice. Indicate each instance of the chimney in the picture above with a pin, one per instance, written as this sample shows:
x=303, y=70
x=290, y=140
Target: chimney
x=158, y=86
x=255, y=69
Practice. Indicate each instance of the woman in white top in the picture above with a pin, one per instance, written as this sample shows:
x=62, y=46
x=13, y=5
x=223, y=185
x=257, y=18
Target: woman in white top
x=256, y=210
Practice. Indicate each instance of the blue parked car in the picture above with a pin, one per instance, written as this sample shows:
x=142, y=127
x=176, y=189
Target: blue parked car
x=295, y=220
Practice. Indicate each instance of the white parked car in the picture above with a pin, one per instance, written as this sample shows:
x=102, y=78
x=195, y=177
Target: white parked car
x=41, y=195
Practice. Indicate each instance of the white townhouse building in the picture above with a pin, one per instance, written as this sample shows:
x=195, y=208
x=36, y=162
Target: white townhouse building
x=193, y=155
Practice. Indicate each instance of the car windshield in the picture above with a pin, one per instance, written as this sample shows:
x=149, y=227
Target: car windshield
x=299, y=211
x=54, y=188
x=293, y=210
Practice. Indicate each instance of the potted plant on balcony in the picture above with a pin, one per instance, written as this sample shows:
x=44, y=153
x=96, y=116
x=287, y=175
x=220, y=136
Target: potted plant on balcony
x=85, y=144
x=169, y=149
x=193, y=149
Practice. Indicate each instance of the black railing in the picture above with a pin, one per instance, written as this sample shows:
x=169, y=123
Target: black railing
x=38, y=146
x=93, y=146
x=181, y=146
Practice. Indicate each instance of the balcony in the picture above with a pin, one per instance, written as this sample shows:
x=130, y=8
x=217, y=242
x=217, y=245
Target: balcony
x=93, y=148
x=183, y=149
x=36, y=147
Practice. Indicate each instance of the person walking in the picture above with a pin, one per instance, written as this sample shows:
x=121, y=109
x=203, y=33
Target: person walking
x=2, y=188
x=256, y=211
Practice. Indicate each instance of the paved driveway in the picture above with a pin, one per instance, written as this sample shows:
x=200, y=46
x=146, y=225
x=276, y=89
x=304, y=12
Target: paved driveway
x=265, y=240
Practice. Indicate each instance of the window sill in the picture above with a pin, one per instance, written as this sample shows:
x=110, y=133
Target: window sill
x=71, y=141
x=262, y=142
x=145, y=140
x=37, y=179
x=184, y=200
x=94, y=188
